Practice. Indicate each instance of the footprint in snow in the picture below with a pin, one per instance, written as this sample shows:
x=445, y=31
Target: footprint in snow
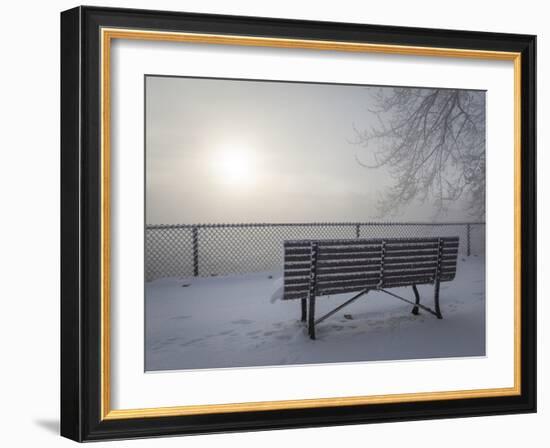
x=242, y=321
x=180, y=317
x=283, y=337
x=192, y=341
x=252, y=333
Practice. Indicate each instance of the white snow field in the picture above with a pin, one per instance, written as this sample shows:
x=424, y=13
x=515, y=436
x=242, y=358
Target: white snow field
x=241, y=321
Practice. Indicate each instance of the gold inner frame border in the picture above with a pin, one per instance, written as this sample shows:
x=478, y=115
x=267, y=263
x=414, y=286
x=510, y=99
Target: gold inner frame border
x=107, y=35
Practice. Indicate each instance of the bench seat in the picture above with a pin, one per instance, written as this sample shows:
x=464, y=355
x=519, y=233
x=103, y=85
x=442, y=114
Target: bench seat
x=329, y=267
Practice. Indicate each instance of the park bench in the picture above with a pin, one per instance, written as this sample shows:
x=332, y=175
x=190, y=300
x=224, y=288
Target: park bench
x=328, y=267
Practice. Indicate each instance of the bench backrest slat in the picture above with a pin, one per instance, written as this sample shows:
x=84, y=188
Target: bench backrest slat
x=355, y=264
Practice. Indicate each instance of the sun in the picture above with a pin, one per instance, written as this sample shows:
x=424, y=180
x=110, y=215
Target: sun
x=234, y=165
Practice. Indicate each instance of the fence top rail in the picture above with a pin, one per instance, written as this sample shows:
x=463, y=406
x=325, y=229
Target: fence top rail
x=306, y=224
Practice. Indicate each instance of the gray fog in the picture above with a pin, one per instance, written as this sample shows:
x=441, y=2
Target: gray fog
x=252, y=151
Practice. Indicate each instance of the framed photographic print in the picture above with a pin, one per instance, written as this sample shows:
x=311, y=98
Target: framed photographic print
x=272, y=223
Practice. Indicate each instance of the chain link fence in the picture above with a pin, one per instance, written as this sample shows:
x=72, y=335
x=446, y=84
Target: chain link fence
x=183, y=250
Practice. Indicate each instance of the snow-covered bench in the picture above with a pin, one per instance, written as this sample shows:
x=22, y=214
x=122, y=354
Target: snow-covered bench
x=329, y=267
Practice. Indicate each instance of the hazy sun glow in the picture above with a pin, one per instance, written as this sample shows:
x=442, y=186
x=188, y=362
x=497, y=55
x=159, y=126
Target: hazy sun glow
x=234, y=165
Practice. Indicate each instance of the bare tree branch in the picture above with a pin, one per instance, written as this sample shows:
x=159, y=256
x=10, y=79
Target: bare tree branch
x=432, y=142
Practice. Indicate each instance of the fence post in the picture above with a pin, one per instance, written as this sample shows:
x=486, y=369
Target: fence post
x=195, y=233
x=357, y=230
x=468, y=232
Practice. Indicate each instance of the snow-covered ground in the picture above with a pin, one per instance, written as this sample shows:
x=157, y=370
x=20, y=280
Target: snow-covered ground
x=240, y=321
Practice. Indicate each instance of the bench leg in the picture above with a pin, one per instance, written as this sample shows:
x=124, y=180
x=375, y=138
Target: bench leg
x=304, y=310
x=311, y=323
x=417, y=300
x=436, y=300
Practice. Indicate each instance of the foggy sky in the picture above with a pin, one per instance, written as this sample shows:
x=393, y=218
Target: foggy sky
x=295, y=142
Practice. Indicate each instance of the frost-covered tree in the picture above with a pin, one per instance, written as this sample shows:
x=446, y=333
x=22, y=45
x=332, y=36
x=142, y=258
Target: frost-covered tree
x=432, y=142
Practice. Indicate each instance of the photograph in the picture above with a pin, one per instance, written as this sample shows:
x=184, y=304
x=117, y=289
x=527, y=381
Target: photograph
x=298, y=223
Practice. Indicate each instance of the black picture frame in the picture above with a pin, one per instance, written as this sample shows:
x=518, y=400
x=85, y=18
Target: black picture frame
x=81, y=209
